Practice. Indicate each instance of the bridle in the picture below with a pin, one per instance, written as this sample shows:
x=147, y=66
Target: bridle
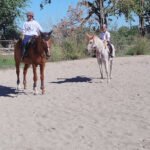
x=93, y=43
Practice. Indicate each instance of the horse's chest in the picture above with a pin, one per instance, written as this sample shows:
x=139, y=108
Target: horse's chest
x=99, y=55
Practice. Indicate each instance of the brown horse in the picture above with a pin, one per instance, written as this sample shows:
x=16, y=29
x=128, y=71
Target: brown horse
x=36, y=56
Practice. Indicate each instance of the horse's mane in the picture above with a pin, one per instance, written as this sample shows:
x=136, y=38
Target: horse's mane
x=100, y=44
x=37, y=45
x=98, y=40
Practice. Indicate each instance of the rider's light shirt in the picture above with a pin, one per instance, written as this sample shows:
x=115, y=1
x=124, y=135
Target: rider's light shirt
x=32, y=28
x=105, y=36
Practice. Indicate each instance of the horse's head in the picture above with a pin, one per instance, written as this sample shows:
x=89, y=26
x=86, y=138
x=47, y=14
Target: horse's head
x=46, y=41
x=91, y=43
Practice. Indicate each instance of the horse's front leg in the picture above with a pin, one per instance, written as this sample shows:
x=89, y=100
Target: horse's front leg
x=42, y=67
x=106, y=63
x=35, y=79
x=100, y=67
x=18, y=75
x=26, y=66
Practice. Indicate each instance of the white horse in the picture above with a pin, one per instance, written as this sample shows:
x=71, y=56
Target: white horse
x=102, y=54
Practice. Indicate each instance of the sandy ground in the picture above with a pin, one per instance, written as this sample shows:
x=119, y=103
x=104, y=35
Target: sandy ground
x=78, y=111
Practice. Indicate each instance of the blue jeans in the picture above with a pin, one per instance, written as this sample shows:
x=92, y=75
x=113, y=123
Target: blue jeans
x=26, y=39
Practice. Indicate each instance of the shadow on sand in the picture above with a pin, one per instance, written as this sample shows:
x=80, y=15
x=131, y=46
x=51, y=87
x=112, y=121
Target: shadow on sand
x=73, y=80
x=7, y=91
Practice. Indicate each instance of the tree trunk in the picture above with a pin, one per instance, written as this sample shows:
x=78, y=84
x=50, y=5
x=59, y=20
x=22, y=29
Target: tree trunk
x=141, y=19
x=102, y=15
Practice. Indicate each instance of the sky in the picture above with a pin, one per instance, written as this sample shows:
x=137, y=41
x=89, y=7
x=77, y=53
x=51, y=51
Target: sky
x=54, y=12
x=51, y=14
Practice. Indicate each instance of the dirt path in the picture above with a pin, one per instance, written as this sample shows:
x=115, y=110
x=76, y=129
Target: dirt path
x=78, y=111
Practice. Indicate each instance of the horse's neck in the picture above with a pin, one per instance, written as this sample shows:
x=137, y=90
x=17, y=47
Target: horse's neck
x=39, y=47
x=99, y=43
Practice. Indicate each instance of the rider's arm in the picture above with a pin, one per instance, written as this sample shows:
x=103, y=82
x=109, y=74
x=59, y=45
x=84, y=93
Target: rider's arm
x=39, y=27
x=107, y=36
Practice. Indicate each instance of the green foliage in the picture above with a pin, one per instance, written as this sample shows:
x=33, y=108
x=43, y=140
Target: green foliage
x=69, y=47
x=74, y=45
x=10, y=10
x=57, y=53
x=123, y=38
x=126, y=7
x=6, y=62
x=141, y=46
x=68, y=51
x=127, y=41
x=12, y=33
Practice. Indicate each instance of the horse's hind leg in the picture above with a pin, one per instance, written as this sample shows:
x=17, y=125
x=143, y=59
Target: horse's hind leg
x=110, y=73
x=101, y=70
x=26, y=66
x=35, y=79
x=18, y=75
x=42, y=67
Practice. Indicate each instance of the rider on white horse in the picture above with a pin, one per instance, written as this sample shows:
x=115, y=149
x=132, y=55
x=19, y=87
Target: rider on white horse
x=102, y=54
x=105, y=37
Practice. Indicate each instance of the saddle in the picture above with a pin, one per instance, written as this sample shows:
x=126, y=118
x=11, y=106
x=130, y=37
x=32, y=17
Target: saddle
x=25, y=48
x=105, y=44
x=108, y=45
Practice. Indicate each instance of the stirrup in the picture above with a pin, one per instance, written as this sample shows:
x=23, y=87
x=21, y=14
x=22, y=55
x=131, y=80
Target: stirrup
x=22, y=57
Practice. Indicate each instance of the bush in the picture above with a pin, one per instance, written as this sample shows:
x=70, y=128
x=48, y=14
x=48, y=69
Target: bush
x=70, y=51
x=57, y=53
x=6, y=61
x=141, y=46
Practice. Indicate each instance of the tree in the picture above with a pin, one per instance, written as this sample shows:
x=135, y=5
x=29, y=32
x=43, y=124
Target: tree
x=142, y=9
x=100, y=11
x=44, y=2
x=100, y=8
x=10, y=9
x=96, y=11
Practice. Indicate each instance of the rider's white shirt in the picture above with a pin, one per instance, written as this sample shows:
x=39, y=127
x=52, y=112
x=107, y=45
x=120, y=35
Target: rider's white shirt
x=32, y=28
x=105, y=36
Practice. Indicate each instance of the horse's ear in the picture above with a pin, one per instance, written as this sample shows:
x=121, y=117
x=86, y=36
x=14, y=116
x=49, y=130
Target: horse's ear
x=49, y=33
x=89, y=36
x=42, y=34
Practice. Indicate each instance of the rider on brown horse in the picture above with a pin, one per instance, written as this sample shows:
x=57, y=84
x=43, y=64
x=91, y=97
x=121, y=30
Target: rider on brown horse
x=31, y=29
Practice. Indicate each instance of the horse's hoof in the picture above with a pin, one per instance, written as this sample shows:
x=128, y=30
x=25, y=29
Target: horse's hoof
x=101, y=81
x=36, y=92
x=43, y=92
x=18, y=87
x=108, y=81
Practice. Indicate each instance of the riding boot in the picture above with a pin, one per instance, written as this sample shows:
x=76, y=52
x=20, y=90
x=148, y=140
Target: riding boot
x=23, y=52
x=110, y=49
